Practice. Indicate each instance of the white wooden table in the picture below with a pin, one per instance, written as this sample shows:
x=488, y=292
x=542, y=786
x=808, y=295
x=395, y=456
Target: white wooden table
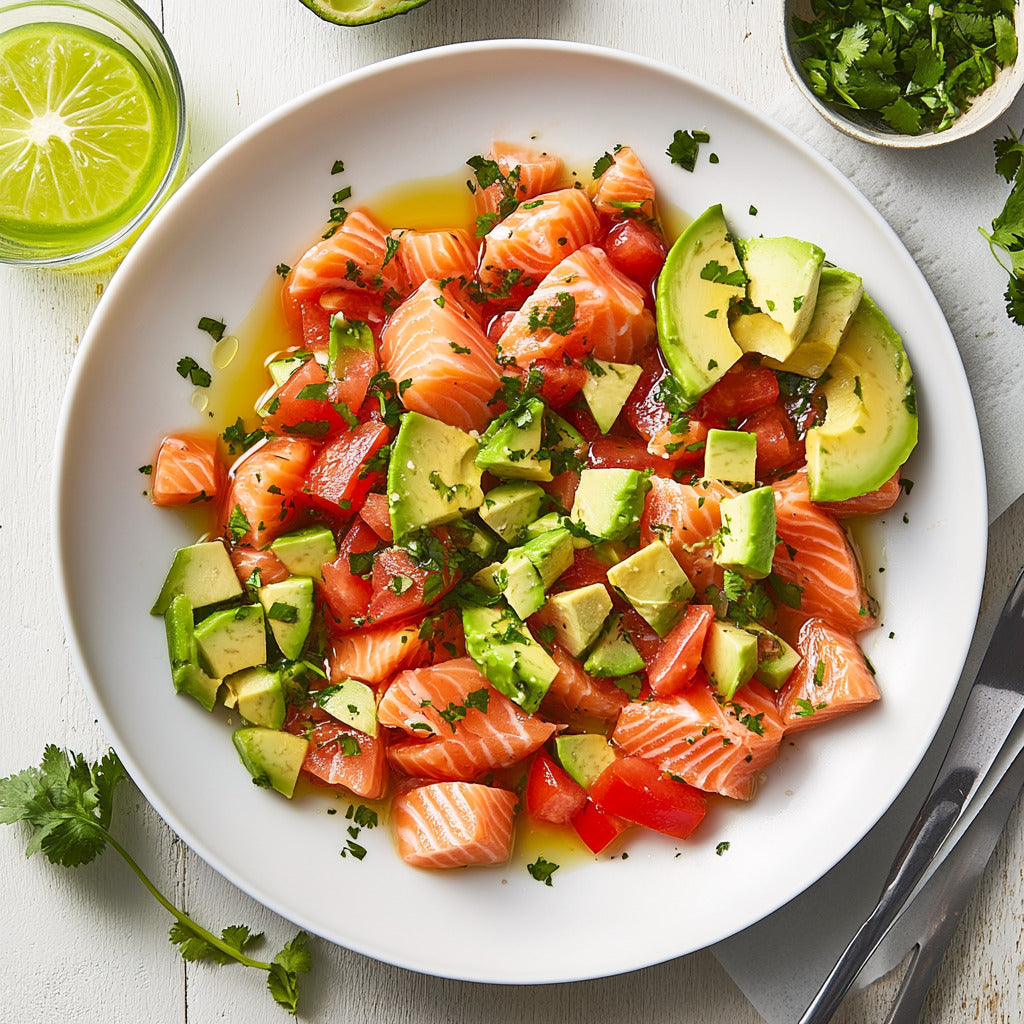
x=89, y=945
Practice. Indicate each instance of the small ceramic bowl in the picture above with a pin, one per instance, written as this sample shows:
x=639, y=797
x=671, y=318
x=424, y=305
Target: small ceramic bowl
x=985, y=108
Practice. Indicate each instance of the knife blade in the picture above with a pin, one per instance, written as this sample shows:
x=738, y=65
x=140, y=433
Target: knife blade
x=994, y=707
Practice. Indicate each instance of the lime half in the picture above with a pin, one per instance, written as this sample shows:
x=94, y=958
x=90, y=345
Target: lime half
x=84, y=140
x=360, y=12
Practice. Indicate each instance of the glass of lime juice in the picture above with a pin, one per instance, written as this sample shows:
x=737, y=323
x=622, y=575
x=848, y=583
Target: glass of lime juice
x=93, y=133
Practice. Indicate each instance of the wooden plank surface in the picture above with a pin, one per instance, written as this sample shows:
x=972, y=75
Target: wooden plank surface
x=89, y=945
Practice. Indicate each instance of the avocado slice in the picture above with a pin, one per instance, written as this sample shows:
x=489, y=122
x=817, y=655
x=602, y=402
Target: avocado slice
x=613, y=654
x=730, y=657
x=584, y=755
x=606, y=389
x=509, y=508
x=870, y=425
x=258, y=694
x=654, y=583
x=203, y=573
x=577, y=616
x=432, y=475
x=700, y=281
x=351, y=702
x=186, y=672
x=839, y=295
x=746, y=541
x=506, y=652
x=775, y=658
x=273, y=758
x=730, y=455
x=783, y=278
x=305, y=552
x=232, y=639
x=610, y=502
x=510, y=446
x=288, y=607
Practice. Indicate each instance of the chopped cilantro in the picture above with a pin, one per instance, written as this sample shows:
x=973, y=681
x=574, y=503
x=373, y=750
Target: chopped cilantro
x=214, y=328
x=684, y=147
x=542, y=870
x=191, y=370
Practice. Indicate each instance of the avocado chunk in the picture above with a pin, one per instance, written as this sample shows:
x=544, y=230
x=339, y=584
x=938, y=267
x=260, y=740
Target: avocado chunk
x=258, y=694
x=353, y=703
x=839, y=295
x=288, y=608
x=509, y=508
x=510, y=446
x=184, y=655
x=870, y=425
x=606, y=389
x=506, y=652
x=305, y=552
x=432, y=475
x=613, y=654
x=654, y=583
x=610, y=502
x=281, y=369
x=577, y=616
x=490, y=578
x=203, y=573
x=783, y=276
x=551, y=554
x=271, y=757
x=746, y=541
x=345, y=337
x=775, y=658
x=564, y=443
x=519, y=582
x=584, y=756
x=730, y=657
x=730, y=455
x=472, y=537
x=546, y=523
x=700, y=281
x=232, y=639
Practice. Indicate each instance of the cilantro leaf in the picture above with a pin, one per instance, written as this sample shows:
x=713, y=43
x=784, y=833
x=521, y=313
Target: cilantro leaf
x=282, y=978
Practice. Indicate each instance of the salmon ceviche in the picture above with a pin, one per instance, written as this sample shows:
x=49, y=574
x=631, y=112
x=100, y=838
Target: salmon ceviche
x=541, y=517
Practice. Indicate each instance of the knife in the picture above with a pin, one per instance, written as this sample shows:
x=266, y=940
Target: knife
x=994, y=707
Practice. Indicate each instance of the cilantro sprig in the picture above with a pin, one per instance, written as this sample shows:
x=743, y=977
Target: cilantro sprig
x=1007, y=237
x=68, y=803
x=912, y=66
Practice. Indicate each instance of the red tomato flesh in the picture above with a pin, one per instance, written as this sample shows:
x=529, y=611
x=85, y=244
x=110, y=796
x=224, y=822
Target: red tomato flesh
x=597, y=828
x=339, y=478
x=552, y=794
x=636, y=249
x=642, y=793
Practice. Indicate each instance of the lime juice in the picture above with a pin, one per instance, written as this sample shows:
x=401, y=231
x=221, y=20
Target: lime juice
x=91, y=137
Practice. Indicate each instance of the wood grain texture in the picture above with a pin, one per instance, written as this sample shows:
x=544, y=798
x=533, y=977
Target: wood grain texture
x=89, y=945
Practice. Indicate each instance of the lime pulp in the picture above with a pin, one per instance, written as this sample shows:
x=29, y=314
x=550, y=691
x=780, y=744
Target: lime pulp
x=85, y=139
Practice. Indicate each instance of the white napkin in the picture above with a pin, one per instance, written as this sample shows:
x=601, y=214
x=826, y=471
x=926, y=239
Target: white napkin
x=935, y=200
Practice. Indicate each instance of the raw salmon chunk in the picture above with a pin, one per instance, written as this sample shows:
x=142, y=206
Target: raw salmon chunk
x=435, y=255
x=584, y=306
x=187, y=470
x=431, y=341
x=528, y=173
x=832, y=679
x=339, y=755
x=354, y=258
x=625, y=187
x=815, y=555
x=717, y=745
x=535, y=238
x=465, y=726
x=374, y=655
x=454, y=824
x=576, y=694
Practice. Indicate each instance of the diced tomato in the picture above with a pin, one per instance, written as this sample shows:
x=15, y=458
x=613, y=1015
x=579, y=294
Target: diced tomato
x=341, y=476
x=637, y=249
x=315, y=322
x=586, y=568
x=346, y=594
x=376, y=515
x=645, y=412
x=353, y=369
x=597, y=828
x=265, y=493
x=563, y=488
x=677, y=660
x=777, y=445
x=866, y=504
x=187, y=470
x=640, y=792
x=625, y=453
x=641, y=634
x=743, y=390
x=562, y=381
x=401, y=587
x=497, y=324
x=581, y=418
x=304, y=404
x=552, y=794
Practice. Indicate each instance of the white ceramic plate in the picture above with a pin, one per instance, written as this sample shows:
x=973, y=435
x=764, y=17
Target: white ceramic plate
x=262, y=200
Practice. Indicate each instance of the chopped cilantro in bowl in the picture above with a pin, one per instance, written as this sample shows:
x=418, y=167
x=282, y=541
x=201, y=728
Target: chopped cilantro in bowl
x=904, y=73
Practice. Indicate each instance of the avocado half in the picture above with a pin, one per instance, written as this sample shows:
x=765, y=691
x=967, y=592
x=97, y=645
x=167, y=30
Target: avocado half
x=870, y=426
x=359, y=12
